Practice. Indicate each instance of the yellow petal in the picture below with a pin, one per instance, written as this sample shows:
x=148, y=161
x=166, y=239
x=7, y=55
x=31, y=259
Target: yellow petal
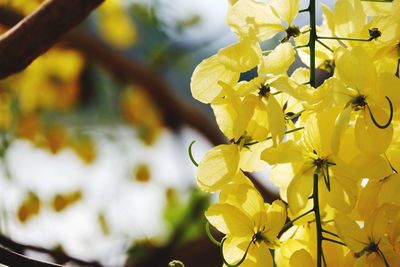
x=286, y=152
x=229, y=220
x=245, y=112
x=205, y=80
x=278, y=61
x=276, y=217
x=218, y=167
x=250, y=160
x=244, y=197
x=368, y=198
x=234, y=248
x=360, y=78
x=389, y=192
x=343, y=192
x=253, y=19
x=259, y=256
x=258, y=126
x=299, y=190
x=287, y=9
x=276, y=120
x=226, y=110
x=301, y=258
x=240, y=57
x=367, y=133
x=342, y=121
x=350, y=233
x=349, y=17
x=388, y=85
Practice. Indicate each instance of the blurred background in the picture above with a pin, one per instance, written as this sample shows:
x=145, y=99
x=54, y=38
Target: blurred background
x=94, y=136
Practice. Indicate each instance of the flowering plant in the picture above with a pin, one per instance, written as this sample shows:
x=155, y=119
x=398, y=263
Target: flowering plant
x=333, y=145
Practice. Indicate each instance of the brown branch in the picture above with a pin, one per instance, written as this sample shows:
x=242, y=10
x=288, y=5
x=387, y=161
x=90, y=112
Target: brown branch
x=13, y=259
x=59, y=256
x=39, y=31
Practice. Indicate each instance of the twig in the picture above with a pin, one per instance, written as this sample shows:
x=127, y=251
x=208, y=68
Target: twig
x=58, y=256
x=39, y=31
x=11, y=258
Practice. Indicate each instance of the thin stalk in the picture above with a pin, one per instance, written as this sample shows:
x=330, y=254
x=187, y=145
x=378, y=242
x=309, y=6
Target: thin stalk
x=334, y=241
x=210, y=236
x=317, y=220
x=330, y=233
x=290, y=223
x=191, y=154
x=379, y=1
x=325, y=45
x=397, y=70
x=301, y=46
x=311, y=43
x=345, y=38
x=287, y=132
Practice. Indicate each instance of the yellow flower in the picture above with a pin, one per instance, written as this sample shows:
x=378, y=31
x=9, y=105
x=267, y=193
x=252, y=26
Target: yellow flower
x=312, y=154
x=369, y=243
x=247, y=223
x=261, y=21
x=367, y=95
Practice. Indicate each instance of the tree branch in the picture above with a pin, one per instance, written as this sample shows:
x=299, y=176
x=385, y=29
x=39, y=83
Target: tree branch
x=39, y=31
x=11, y=258
x=59, y=256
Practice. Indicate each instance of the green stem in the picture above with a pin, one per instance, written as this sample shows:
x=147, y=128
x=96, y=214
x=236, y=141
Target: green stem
x=334, y=241
x=191, y=154
x=345, y=38
x=317, y=219
x=290, y=223
x=210, y=236
x=378, y=1
x=287, y=132
x=330, y=233
x=301, y=46
x=267, y=52
x=311, y=43
x=324, y=45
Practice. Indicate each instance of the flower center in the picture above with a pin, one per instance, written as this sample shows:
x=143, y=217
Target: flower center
x=370, y=248
x=374, y=33
x=264, y=90
x=359, y=102
x=259, y=237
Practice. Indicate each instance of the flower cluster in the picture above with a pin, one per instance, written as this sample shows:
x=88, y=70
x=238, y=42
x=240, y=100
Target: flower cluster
x=333, y=143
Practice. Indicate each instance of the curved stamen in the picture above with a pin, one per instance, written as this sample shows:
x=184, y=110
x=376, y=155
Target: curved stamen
x=242, y=259
x=327, y=179
x=390, y=116
x=383, y=257
x=191, y=154
x=210, y=236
